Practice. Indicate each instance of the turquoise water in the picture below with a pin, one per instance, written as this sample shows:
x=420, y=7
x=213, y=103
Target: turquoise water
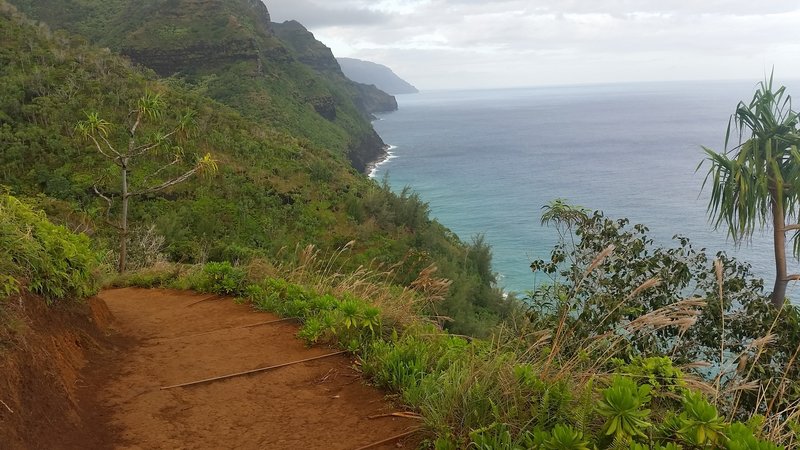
x=487, y=161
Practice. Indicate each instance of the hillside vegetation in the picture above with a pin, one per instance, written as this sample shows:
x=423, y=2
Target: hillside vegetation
x=40, y=257
x=273, y=191
x=608, y=357
x=228, y=51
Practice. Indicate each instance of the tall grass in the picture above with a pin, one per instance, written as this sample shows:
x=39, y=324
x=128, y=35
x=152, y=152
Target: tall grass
x=375, y=283
x=536, y=383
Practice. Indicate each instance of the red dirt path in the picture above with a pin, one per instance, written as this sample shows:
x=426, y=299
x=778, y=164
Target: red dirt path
x=321, y=404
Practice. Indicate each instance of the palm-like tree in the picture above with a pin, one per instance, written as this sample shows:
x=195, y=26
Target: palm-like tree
x=757, y=182
x=149, y=107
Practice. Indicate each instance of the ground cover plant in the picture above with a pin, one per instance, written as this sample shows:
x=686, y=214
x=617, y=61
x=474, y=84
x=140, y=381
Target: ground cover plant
x=40, y=257
x=526, y=386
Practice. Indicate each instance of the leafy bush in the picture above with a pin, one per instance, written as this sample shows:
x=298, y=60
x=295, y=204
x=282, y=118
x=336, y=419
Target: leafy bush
x=623, y=406
x=221, y=278
x=616, y=288
x=349, y=321
x=41, y=257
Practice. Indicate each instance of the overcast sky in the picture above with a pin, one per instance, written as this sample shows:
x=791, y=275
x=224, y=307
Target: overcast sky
x=440, y=44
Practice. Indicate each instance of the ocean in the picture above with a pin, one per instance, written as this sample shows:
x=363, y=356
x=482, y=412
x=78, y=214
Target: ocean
x=488, y=160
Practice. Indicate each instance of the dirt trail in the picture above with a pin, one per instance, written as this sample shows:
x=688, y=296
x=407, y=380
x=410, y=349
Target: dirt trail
x=167, y=337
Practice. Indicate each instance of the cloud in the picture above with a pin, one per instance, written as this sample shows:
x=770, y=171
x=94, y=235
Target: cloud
x=317, y=13
x=472, y=43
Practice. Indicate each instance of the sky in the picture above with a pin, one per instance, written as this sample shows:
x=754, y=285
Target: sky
x=456, y=44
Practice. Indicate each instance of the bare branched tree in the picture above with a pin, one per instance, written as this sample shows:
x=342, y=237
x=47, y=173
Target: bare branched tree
x=150, y=107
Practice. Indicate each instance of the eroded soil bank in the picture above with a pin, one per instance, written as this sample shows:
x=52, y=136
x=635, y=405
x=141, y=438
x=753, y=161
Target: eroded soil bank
x=83, y=379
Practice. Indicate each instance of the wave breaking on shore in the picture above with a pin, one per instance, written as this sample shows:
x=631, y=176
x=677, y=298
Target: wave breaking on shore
x=388, y=155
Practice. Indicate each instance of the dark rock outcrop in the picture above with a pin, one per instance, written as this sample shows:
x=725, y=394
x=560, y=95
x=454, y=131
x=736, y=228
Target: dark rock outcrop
x=167, y=61
x=325, y=107
x=366, y=151
x=373, y=100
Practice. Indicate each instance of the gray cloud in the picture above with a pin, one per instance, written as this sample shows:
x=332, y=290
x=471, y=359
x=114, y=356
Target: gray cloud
x=316, y=13
x=474, y=43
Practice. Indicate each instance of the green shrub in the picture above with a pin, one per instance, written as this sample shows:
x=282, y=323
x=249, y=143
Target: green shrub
x=42, y=257
x=492, y=437
x=740, y=437
x=349, y=321
x=221, y=278
x=281, y=297
x=702, y=425
x=564, y=437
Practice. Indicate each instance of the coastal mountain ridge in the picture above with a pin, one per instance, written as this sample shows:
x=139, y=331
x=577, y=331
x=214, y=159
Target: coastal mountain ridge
x=230, y=49
x=317, y=55
x=376, y=74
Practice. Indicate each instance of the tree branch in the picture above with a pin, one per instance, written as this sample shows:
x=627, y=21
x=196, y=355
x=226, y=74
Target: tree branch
x=100, y=149
x=794, y=277
x=138, y=121
x=109, y=203
x=111, y=147
x=792, y=227
x=174, y=161
x=144, y=148
x=168, y=183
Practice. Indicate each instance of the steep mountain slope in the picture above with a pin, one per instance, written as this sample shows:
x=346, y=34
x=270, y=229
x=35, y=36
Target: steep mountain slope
x=228, y=49
x=375, y=74
x=274, y=191
x=318, y=56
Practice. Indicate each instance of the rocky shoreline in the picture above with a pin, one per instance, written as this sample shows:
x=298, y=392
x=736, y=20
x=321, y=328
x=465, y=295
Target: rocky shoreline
x=385, y=156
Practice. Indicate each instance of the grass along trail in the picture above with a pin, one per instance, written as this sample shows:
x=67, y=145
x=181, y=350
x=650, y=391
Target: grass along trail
x=168, y=338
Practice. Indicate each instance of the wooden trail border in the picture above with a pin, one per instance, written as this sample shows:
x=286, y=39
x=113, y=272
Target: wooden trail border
x=249, y=372
x=212, y=297
x=391, y=439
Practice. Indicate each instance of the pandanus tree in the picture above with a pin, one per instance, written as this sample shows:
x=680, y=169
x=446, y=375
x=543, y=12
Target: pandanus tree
x=756, y=182
x=162, y=161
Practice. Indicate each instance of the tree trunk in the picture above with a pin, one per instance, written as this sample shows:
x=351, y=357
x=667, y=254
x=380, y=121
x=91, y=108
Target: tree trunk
x=779, y=241
x=123, y=222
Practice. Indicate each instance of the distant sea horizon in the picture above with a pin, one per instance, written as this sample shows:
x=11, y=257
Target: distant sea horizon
x=487, y=160
x=788, y=82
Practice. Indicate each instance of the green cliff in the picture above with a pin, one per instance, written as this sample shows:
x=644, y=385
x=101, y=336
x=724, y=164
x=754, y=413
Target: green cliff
x=315, y=54
x=229, y=49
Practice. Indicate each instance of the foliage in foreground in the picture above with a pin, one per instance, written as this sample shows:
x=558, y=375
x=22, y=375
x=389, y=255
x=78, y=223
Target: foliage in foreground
x=519, y=389
x=614, y=293
x=41, y=257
